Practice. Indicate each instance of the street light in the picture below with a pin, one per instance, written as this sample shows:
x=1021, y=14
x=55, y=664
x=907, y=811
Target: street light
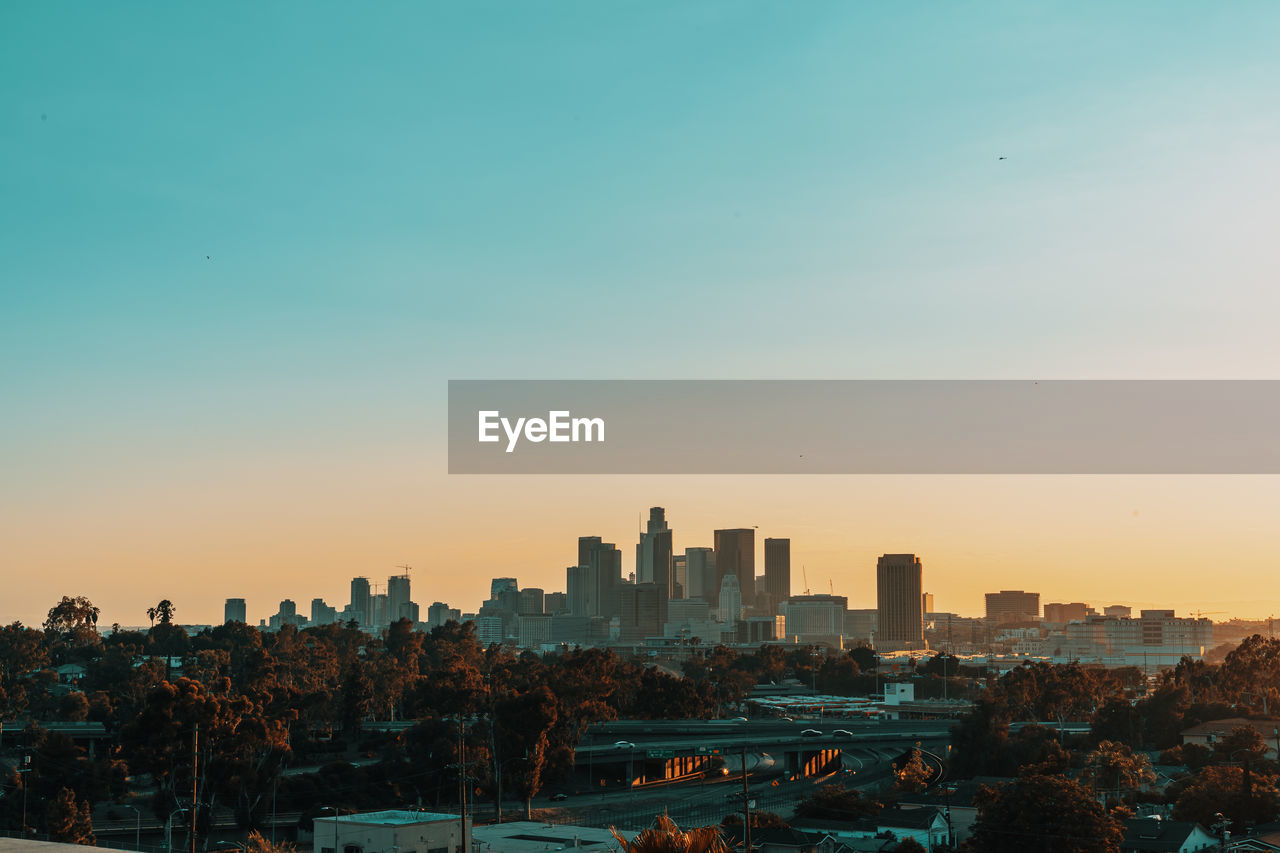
x=25, y=768
x=333, y=809
x=137, y=835
x=168, y=827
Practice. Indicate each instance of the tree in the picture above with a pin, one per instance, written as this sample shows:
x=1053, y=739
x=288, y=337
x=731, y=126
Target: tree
x=1050, y=814
x=258, y=844
x=835, y=802
x=914, y=775
x=72, y=626
x=909, y=845
x=1115, y=767
x=1222, y=789
x=68, y=819
x=22, y=655
x=665, y=837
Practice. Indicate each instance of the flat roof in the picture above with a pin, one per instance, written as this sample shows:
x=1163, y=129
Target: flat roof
x=522, y=836
x=392, y=817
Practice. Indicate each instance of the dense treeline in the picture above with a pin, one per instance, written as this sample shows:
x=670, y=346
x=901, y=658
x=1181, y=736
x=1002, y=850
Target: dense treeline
x=248, y=704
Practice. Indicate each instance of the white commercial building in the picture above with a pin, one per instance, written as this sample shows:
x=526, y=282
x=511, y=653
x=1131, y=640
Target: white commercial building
x=391, y=831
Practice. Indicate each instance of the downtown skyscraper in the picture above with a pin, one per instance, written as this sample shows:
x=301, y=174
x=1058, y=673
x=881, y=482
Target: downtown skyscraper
x=900, y=602
x=777, y=571
x=736, y=555
x=654, y=558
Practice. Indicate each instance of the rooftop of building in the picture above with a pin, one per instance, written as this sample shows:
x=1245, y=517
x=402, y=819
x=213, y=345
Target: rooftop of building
x=523, y=836
x=392, y=817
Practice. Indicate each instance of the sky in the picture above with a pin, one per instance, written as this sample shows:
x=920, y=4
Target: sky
x=244, y=247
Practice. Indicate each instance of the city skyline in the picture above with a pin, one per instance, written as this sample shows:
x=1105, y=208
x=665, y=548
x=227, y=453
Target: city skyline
x=856, y=583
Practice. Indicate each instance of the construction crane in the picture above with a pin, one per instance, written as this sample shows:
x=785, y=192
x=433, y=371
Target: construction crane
x=806, y=580
x=1200, y=614
x=406, y=570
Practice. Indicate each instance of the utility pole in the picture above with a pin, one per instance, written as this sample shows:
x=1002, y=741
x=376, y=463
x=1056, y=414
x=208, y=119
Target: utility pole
x=195, y=782
x=746, y=803
x=25, y=769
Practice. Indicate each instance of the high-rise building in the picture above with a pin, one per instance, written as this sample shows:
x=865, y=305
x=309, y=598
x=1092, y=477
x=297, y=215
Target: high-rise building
x=927, y=603
x=361, y=601
x=679, y=577
x=497, y=585
x=815, y=618
x=736, y=555
x=555, y=602
x=730, y=609
x=531, y=602
x=398, y=598
x=321, y=613
x=777, y=570
x=1076, y=611
x=899, y=602
x=640, y=608
x=654, y=557
x=700, y=575
x=1118, y=611
x=380, y=614
x=598, y=587
x=440, y=613
x=234, y=610
x=1013, y=605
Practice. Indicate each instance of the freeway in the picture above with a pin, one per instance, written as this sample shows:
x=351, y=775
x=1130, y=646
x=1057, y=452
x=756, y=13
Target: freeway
x=687, y=735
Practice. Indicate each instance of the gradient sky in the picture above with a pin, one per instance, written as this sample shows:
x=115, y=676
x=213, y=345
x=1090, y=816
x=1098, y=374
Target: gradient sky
x=393, y=195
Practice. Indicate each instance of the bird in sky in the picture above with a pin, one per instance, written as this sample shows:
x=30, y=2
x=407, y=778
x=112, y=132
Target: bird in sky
x=1004, y=158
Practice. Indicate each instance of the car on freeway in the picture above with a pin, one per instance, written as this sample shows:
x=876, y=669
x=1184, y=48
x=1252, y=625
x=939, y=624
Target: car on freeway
x=811, y=733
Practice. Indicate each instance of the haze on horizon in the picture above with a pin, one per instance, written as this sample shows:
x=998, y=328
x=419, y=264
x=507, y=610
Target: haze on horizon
x=244, y=253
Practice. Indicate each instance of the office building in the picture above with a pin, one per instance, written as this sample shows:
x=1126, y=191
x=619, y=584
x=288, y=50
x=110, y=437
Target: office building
x=592, y=585
x=730, y=610
x=926, y=603
x=234, y=610
x=1060, y=614
x=360, y=602
x=700, y=575
x=499, y=585
x=555, y=602
x=815, y=619
x=535, y=631
x=777, y=571
x=439, y=614
x=654, y=557
x=1118, y=611
x=532, y=602
x=640, y=608
x=679, y=577
x=321, y=613
x=1013, y=605
x=736, y=555
x=899, y=602
x=398, y=597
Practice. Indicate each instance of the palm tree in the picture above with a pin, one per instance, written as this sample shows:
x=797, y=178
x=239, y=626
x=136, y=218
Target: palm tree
x=665, y=837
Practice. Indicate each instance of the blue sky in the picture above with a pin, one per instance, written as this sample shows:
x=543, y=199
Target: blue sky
x=391, y=196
